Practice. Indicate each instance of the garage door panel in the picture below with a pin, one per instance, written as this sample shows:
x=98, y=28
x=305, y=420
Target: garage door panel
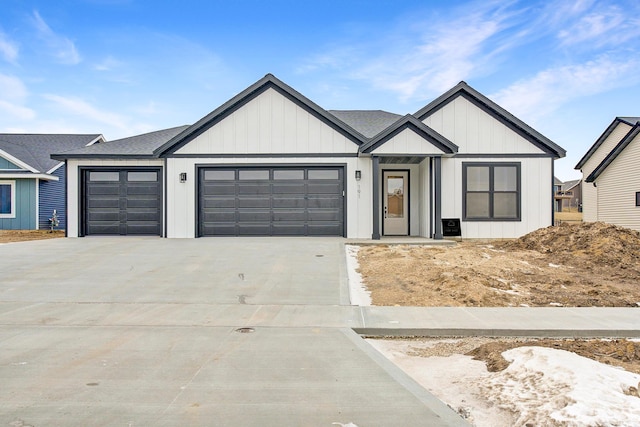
x=290, y=215
x=219, y=216
x=262, y=229
x=254, y=202
x=219, y=202
x=289, y=202
x=122, y=201
x=220, y=189
x=319, y=215
x=329, y=229
x=271, y=201
x=253, y=216
x=249, y=189
x=279, y=188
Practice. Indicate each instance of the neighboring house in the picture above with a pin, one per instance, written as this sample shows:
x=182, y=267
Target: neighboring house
x=573, y=190
x=567, y=195
x=32, y=185
x=271, y=162
x=611, y=182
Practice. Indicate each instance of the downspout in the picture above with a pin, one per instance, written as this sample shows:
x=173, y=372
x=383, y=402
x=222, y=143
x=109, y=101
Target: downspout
x=437, y=190
x=376, y=197
x=553, y=201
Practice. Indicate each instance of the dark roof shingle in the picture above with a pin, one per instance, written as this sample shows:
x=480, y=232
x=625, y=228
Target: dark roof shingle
x=36, y=149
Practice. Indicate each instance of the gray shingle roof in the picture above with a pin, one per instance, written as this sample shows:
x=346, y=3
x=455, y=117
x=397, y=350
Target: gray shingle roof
x=139, y=145
x=367, y=122
x=631, y=120
x=36, y=149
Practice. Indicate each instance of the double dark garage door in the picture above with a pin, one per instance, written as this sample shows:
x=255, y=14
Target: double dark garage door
x=232, y=201
x=271, y=201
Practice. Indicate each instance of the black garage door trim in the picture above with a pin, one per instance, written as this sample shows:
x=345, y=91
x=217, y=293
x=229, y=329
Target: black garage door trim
x=120, y=201
x=271, y=200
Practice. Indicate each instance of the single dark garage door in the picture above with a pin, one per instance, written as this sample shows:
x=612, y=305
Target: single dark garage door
x=122, y=201
x=277, y=201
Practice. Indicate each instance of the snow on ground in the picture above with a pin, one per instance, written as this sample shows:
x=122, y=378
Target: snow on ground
x=357, y=291
x=541, y=386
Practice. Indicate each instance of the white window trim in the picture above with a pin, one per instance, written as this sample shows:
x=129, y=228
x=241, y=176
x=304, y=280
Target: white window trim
x=12, y=214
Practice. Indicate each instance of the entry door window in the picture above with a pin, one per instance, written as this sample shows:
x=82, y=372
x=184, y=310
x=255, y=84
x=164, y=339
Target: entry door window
x=396, y=203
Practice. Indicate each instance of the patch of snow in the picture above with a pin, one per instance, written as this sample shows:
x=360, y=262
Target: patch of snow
x=358, y=293
x=486, y=255
x=554, y=265
x=542, y=384
x=556, y=304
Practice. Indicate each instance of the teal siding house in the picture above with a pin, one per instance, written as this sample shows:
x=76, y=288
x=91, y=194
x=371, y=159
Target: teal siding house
x=32, y=185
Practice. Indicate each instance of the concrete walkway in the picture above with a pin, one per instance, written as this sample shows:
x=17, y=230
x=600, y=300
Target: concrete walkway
x=128, y=331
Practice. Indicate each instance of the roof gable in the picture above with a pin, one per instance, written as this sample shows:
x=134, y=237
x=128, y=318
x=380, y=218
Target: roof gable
x=415, y=125
x=630, y=136
x=630, y=121
x=267, y=82
x=464, y=90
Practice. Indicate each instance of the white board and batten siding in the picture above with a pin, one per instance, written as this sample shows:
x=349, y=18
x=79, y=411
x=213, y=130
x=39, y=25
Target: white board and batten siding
x=407, y=142
x=617, y=187
x=590, y=194
x=535, y=187
x=73, y=178
x=270, y=124
x=474, y=131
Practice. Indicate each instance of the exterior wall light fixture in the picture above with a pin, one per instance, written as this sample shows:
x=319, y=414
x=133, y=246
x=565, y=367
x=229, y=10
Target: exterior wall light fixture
x=183, y=177
x=358, y=175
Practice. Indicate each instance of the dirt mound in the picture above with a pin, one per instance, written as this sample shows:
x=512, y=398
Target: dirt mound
x=596, y=242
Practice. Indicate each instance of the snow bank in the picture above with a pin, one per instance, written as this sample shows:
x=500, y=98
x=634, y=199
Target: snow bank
x=542, y=384
x=357, y=291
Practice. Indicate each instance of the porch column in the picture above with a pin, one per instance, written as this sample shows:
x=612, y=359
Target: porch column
x=437, y=197
x=375, y=165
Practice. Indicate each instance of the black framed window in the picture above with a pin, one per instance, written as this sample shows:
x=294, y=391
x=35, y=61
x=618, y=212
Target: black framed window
x=491, y=191
x=638, y=198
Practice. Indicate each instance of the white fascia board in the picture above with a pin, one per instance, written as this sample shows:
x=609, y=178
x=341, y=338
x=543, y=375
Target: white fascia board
x=17, y=161
x=100, y=138
x=55, y=168
x=42, y=176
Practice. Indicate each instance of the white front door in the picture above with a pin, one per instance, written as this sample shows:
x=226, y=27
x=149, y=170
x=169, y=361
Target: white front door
x=396, y=203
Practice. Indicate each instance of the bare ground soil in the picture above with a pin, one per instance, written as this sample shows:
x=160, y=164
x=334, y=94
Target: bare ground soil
x=571, y=265
x=9, y=236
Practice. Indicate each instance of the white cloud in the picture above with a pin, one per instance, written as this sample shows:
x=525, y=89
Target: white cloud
x=107, y=64
x=549, y=89
x=62, y=48
x=8, y=49
x=13, y=94
x=84, y=109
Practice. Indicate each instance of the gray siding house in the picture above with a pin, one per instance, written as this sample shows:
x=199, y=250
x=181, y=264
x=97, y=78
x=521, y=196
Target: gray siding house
x=271, y=162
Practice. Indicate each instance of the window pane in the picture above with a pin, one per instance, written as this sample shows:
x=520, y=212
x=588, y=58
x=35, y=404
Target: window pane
x=478, y=178
x=254, y=174
x=104, y=176
x=505, y=178
x=638, y=199
x=324, y=174
x=395, y=197
x=219, y=175
x=142, y=176
x=477, y=205
x=5, y=199
x=505, y=205
x=288, y=174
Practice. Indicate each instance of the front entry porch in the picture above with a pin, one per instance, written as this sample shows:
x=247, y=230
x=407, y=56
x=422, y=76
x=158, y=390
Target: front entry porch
x=407, y=196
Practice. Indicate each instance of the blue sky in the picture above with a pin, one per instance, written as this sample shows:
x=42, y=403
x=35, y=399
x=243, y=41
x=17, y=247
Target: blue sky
x=124, y=67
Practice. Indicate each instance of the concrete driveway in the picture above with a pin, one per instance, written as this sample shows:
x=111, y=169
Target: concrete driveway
x=141, y=332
